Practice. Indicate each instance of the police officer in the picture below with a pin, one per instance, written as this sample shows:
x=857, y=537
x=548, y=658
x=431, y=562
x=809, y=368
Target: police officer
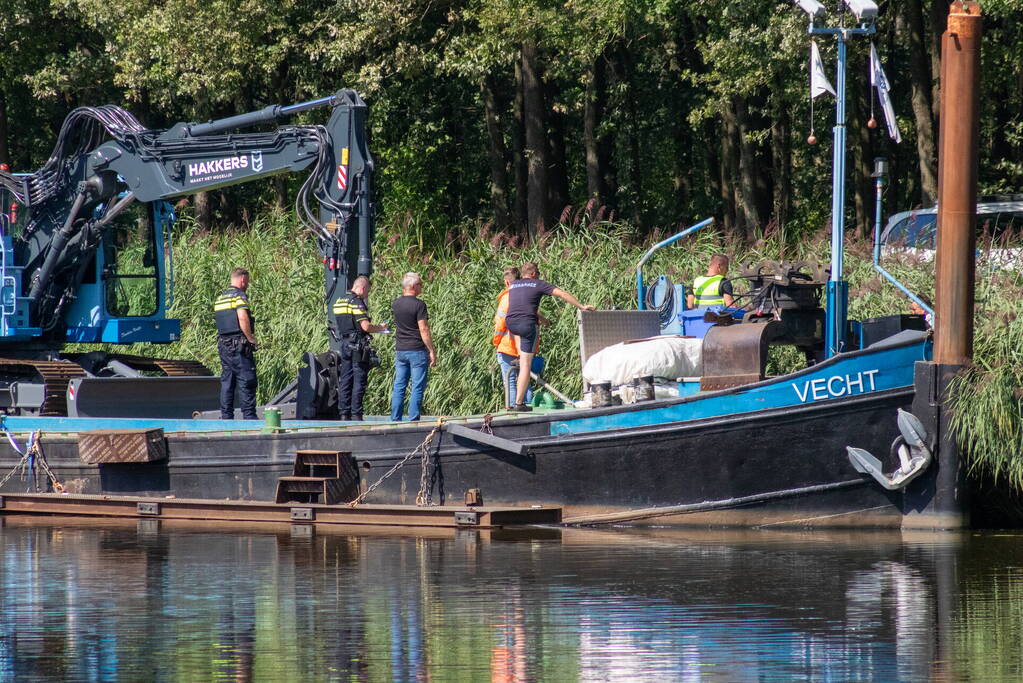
x=236, y=342
x=351, y=319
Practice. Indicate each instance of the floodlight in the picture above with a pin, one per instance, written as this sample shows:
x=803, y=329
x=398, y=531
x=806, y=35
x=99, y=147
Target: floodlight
x=811, y=7
x=864, y=10
x=880, y=168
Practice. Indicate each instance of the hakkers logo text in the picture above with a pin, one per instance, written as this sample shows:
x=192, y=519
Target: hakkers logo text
x=217, y=169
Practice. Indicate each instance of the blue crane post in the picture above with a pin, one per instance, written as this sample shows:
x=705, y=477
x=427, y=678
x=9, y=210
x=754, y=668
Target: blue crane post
x=837, y=302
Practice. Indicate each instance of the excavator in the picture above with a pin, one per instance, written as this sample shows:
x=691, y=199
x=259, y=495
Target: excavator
x=86, y=257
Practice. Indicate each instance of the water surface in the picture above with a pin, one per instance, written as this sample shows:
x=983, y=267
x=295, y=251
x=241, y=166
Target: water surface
x=125, y=600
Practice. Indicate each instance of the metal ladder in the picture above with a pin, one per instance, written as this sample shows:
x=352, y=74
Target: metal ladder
x=327, y=477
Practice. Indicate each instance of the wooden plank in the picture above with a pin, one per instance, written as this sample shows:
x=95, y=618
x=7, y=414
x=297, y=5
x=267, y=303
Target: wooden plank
x=485, y=439
x=260, y=512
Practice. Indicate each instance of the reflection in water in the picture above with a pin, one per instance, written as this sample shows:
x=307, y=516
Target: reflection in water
x=120, y=601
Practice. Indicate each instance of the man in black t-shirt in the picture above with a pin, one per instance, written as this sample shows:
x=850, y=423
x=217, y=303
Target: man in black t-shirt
x=413, y=348
x=524, y=297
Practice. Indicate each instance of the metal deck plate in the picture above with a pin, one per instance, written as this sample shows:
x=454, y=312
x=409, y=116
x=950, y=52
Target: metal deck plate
x=600, y=329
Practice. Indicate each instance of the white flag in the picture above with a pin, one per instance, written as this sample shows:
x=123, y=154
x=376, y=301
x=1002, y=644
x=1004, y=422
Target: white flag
x=819, y=83
x=880, y=82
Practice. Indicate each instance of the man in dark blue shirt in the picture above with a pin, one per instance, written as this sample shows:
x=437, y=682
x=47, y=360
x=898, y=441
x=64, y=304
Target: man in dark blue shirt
x=524, y=297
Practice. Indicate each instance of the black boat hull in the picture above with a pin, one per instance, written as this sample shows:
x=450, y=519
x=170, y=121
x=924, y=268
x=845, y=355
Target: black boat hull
x=786, y=466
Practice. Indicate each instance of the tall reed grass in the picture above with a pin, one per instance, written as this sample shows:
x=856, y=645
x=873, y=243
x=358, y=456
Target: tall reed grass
x=596, y=262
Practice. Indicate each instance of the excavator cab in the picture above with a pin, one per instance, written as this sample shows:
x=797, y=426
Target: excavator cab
x=124, y=295
x=125, y=284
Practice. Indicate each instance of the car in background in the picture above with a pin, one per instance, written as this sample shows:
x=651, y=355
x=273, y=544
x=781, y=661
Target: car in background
x=999, y=231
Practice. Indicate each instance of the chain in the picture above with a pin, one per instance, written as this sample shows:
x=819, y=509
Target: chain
x=34, y=451
x=422, y=450
x=423, y=497
x=22, y=466
x=485, y=427
x=41, y=459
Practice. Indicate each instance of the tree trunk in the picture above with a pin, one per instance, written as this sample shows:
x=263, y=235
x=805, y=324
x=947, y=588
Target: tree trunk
x=5, y=151
x=536, y=140
x=203, y=211
x=593, y=142
x=557, y=174
x=920, y=97
x=747, y=172
x=519, y=163
x=781, y=159
x=711, y=134
x=280, y=189
x=939, y=20
x=859, y=142
x=624, y=73
x=730, y=172
x=682, y=157
x=498, y=155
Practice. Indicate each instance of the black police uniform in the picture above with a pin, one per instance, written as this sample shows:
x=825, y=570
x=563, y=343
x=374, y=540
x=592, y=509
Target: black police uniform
x=239, y=367
x=349, y=312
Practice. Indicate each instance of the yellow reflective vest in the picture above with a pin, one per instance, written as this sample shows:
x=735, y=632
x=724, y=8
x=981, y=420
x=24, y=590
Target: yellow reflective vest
x=707, y=290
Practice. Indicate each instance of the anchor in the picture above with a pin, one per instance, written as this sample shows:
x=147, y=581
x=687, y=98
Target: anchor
x=911, y=447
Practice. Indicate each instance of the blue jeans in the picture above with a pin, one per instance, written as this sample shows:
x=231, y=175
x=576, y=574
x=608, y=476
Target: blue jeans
x=510, y=375
x=409, y=365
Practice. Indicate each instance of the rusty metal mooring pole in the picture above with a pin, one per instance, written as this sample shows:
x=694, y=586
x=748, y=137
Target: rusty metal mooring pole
x=957, y=185
x=939, y=499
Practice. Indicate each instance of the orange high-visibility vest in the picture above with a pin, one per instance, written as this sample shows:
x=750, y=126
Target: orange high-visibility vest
x=503, y=339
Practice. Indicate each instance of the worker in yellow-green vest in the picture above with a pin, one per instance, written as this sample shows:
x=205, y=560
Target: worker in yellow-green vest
x=713, y=289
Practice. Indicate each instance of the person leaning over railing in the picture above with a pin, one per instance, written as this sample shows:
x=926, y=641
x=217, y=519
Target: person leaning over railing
x=522, y=319
x=507, y=350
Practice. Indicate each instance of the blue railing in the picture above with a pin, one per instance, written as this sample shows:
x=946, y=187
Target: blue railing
x=640, y=290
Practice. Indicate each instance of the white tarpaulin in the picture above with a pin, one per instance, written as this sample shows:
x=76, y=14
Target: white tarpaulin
x=669, y=357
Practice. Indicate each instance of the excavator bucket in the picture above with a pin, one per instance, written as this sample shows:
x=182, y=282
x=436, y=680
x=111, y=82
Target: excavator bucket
x=734, y=355
x=154, y=397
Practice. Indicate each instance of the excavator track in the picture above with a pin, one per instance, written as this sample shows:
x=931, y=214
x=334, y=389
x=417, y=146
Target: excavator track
x=55, y=375
x=169, y=366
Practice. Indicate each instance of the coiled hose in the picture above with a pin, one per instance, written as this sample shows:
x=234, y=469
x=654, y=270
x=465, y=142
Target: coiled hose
x=666, y=311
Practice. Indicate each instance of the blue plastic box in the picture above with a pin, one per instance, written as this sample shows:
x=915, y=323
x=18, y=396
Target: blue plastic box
x=692, y=321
